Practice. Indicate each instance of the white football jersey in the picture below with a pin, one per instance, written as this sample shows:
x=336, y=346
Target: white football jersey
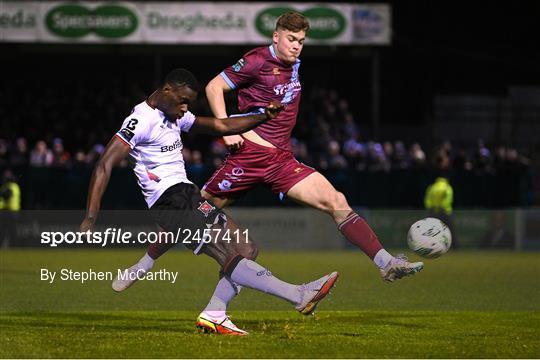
x=156, y=148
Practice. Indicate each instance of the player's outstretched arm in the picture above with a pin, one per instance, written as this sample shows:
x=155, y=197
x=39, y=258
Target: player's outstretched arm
x=237, y=124
x=115, y=151
x=215, y=94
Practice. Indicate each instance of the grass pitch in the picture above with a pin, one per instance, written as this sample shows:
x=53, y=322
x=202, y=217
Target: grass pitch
x=463, y=305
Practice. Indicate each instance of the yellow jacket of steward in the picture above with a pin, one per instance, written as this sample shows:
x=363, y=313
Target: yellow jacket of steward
x=439, y=196
x=13, y=202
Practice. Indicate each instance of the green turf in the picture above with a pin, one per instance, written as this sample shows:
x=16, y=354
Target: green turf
x=463, y=305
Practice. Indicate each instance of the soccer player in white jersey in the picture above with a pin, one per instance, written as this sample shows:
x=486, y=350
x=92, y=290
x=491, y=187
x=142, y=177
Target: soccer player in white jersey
x=151, y=136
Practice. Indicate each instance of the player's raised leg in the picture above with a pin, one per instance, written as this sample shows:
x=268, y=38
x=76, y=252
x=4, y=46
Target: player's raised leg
x=226, y=289
x=239, y=270
x=317, y=192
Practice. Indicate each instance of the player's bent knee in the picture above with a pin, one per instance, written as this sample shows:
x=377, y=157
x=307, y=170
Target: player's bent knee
x=220, y=251
x=340, y=201
x=250, y=251
x=334, y=201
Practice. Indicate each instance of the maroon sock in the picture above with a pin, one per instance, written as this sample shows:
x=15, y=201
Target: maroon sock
x=358, y=232
x=159, y=248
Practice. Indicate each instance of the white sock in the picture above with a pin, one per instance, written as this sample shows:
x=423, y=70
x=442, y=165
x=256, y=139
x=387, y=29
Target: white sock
x=249, y=273
x=146, y=262
x=382, y=258
x=225, y=291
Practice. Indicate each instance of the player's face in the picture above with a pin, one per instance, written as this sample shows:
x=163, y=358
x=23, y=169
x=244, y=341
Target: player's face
x=288, y=44
x=176, y=100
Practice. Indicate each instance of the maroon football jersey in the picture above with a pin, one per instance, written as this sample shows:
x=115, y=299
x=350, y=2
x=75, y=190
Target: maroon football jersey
x=261, y=77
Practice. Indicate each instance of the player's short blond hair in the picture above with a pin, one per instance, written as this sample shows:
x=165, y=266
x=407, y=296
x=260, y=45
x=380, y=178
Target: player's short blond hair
x=292, y=21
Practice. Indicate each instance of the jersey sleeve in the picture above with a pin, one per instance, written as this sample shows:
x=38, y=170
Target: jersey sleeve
x=134, y=130
x=186, y=122
x=244, y=72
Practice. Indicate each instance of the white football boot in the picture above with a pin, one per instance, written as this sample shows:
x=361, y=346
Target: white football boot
x=133, y=274
x=315, y=291
x=399, y=267
x=222, y=326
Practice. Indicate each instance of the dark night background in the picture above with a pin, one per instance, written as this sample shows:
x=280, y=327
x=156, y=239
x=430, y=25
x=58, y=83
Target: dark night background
x=438, y=48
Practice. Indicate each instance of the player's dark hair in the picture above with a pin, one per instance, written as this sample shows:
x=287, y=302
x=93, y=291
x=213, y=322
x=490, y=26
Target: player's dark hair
x=182, y=77
x=292, y=21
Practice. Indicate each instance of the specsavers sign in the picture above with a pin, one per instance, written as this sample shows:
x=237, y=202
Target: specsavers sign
x=187, y=23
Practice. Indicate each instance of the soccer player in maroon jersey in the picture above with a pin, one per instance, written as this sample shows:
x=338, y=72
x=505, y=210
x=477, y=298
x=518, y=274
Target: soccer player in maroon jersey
x=263, y=155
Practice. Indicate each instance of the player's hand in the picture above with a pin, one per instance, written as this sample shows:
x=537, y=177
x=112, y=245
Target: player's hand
x=87, y=225
x=273, y=109
x=233, y=142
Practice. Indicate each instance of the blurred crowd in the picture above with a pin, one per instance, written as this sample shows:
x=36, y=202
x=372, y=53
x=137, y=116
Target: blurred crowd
x=60, y=131
x=332, y=153
x=67, y=127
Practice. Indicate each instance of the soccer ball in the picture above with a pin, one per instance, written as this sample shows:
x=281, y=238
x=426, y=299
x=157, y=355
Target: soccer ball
x=429, y=238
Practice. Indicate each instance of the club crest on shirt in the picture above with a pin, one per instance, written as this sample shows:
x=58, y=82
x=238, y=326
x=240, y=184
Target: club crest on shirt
x=238, y=171
x=225, y=185
x=239, y=65
x=152, y=176
x=205, y=208
x=275, y=71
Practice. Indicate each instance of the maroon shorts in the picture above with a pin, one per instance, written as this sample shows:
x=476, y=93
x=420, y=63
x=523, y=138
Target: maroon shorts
x=253, y=165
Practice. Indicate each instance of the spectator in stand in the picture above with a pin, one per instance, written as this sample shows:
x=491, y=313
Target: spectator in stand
x=19, y=156
x=335, y=160
x=349, y=127
x=388, y=150
x=218, y=152
x=483, y=162
x=94, y=154
x=418, y=157
x=400, y=160
x=4, y=153
x=79, y=160
x=355, y=153
x=41, y=155
x=186, y=153
x=377, y=161
x=300, y=151
x=462, y=160
x=61, y=158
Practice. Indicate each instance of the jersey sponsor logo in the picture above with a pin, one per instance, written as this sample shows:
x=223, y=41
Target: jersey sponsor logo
x=225, y=185
x=281, y=89
x=152, y=176
x=238, y=171
x=275, y=71
x=239, y=65
x=172, y=147
x=126, y=134
x=205, y=208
